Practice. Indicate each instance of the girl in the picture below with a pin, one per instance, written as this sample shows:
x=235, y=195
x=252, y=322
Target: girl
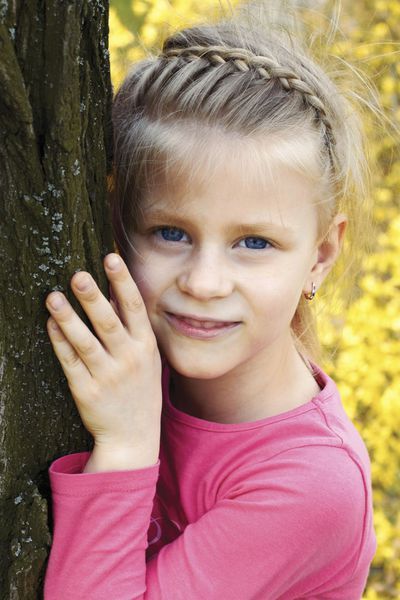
x=224, y=465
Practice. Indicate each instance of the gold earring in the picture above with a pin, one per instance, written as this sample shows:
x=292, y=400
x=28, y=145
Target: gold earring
x=311, y=295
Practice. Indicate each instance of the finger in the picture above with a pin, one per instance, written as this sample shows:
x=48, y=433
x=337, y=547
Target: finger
x=114, y=307
x=72, y=365
x=105, y=320
x=130, y=303
x=77, y=334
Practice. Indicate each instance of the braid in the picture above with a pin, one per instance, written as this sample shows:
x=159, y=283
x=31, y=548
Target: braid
x=244, y=60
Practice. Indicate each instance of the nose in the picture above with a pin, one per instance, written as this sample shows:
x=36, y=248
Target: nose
x=206, y=276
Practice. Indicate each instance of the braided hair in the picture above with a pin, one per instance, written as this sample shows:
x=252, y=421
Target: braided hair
x=237, y=81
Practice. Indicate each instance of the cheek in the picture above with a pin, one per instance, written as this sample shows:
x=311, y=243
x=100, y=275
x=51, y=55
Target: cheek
x=276, y=297
x=152, y=280
x=148, y=279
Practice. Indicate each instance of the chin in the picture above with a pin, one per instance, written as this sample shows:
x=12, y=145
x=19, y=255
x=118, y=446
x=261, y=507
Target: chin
x=194, y=367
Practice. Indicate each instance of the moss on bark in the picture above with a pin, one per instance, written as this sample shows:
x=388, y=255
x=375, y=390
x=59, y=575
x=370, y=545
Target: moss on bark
x=55, y=153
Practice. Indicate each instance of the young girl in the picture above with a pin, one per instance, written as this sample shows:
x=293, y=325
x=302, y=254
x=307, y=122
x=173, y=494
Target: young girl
x=224, y=465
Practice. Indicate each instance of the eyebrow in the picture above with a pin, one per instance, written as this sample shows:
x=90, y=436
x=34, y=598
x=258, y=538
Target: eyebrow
x=258, y=226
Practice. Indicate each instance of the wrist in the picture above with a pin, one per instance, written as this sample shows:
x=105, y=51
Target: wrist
x=113, y=458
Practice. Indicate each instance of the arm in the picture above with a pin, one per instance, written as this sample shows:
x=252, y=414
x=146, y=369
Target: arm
x=115, y=380
x=100, y=531
x=288, y=527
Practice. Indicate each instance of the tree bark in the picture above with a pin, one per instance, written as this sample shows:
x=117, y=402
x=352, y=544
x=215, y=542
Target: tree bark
x=55, y=154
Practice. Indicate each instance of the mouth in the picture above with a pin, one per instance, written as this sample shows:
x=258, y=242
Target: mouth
x=200, y=328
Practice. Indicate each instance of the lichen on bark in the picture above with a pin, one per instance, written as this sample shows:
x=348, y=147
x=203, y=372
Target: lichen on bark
x=55, y=154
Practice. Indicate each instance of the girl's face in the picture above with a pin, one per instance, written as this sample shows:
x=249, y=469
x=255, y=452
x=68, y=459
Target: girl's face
x=229, y=249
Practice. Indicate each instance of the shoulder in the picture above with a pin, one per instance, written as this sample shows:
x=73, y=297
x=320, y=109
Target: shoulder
x=309, y=501
x=324, y=477
x=318, y=486
x=328, y=499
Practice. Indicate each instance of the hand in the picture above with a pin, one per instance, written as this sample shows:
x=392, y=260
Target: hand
x=115, y=379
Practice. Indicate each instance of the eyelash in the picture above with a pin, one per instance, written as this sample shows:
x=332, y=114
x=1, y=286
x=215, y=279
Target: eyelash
x=158, y=230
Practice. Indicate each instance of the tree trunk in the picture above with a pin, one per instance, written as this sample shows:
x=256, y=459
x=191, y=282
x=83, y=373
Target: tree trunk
x=55, y=154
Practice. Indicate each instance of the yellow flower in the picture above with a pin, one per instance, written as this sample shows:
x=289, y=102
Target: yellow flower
x=139, y=7
x=380, y=31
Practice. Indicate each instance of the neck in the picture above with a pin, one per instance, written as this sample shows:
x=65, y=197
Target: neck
x=268, y=384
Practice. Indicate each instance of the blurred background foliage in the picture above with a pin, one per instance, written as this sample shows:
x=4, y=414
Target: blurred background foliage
x=365, y=342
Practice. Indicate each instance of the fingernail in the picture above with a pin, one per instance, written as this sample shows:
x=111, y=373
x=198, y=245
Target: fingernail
x=113, y=262
x=57, y=301
x=83, y=283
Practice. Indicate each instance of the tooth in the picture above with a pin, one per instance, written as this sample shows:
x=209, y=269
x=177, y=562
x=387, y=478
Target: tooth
x=204, y=324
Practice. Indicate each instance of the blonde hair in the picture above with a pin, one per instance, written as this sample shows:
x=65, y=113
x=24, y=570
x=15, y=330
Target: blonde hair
x=249, y=79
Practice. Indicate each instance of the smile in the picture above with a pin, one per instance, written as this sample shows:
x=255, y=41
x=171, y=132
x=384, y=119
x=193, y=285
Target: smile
x=200, y=329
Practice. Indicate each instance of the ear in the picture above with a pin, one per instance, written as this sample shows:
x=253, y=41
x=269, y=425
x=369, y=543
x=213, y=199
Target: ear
x=328, y=251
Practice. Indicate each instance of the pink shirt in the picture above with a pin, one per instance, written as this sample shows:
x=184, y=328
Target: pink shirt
x=279, y=508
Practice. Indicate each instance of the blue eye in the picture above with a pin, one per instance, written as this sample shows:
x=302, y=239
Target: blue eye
x=174, y=234
x=256, y=243
x=170, y=234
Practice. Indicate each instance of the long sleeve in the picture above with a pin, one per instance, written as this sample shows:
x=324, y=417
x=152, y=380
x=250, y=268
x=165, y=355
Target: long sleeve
x=100, y=531
x=292, y=527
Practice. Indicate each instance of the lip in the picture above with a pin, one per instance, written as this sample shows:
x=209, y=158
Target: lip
x=178, y=323
x=200, y=318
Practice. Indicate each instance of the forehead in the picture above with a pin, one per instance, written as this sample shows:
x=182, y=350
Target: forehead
x=232, y=177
